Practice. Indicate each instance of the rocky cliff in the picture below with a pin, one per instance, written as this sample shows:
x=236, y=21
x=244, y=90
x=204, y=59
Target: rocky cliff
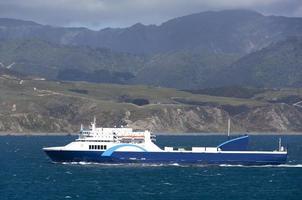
x=175, y=119
x=37, y=106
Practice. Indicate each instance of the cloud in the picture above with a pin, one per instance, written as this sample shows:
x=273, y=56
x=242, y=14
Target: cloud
x=121, y=13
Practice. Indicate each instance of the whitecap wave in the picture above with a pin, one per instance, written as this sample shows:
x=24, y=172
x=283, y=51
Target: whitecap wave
x=228, y=165
x=176, y=165
x=152, y=165
x=264, y=166
x=286, y=165
x=123, y=164
x=89, y=163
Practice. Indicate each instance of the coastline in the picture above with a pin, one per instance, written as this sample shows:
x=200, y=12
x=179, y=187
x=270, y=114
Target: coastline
x=157, y=133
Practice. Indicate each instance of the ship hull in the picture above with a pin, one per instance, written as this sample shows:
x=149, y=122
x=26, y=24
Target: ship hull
x=216, y=158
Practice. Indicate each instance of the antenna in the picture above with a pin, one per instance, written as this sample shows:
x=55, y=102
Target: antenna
x=229, y=127
x=93, y=124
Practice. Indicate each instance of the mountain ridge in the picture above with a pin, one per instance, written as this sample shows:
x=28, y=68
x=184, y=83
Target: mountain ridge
x=176, y=34
x=196, y=51
x=278, y=65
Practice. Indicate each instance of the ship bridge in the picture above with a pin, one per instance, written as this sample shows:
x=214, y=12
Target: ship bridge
x=116, y=135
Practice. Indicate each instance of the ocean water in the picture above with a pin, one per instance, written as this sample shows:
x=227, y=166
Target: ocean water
x=26, y=173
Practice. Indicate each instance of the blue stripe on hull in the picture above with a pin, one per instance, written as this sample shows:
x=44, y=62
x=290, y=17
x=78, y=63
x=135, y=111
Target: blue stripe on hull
x=168, y=157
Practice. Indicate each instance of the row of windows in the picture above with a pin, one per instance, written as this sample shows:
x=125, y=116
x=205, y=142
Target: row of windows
x=98, y=147
x=94, y=140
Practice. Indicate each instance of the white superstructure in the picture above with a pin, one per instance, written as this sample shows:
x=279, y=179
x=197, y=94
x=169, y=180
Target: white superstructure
x=99, y=138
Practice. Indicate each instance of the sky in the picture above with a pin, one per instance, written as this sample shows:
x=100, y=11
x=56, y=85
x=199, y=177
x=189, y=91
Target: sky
x=98, y=14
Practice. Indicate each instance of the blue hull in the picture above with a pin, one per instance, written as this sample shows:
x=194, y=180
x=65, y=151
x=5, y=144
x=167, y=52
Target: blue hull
x=168, y=157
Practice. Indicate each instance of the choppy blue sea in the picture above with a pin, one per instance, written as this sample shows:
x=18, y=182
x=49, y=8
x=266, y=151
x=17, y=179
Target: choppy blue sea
x=26, y=173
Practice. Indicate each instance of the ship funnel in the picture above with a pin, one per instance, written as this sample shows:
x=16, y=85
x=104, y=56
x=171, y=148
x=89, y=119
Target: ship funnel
x=236, y=144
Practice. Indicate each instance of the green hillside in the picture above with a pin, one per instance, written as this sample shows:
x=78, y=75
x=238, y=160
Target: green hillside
x=45, y=59
x=32, y=106
x=278, y=65
x=185, y=70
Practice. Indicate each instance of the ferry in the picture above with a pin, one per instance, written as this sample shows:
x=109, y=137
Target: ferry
x=125, y=145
